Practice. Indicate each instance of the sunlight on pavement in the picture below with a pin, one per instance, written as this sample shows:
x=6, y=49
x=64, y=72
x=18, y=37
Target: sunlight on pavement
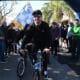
x=72, y=73
x=64, y=54
x=49, y=68
x=7, y=69
x=57, y=72
x=77, y=64
x=3, y=62
x=49, y=79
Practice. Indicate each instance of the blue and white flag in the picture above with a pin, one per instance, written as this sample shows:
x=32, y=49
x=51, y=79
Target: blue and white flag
x=25, y=16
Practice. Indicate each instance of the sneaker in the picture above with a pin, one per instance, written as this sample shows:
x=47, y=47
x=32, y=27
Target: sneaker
x=45, y=74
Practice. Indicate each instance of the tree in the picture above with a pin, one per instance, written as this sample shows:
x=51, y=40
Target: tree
x=6, y=7
x=54, y=10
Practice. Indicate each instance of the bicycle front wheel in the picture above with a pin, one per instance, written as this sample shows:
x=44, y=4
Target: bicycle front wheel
x=37, y=75
x=20, y=68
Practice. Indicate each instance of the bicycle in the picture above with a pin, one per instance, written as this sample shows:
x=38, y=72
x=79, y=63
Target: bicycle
x=21, y=63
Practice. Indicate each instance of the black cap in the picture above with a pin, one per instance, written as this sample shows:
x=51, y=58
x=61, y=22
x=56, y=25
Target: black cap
x=37, y=12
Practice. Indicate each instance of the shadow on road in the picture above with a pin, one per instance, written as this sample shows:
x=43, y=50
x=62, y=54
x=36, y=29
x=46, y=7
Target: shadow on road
x=65, y=58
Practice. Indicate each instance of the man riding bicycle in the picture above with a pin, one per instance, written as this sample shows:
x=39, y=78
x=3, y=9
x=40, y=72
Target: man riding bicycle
x=38, y=34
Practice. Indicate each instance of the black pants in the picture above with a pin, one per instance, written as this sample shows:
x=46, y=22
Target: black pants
x=33, y=55
x=54, y=46
x=32, y=52
x=45, y=61
x=11, y=48
x=75, y=48
x=70, y=43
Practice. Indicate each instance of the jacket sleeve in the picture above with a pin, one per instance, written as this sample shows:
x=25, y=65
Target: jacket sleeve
x=48, y=36
x=27, y=37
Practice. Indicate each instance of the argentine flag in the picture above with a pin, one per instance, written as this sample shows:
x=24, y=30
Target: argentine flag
x=25, y=16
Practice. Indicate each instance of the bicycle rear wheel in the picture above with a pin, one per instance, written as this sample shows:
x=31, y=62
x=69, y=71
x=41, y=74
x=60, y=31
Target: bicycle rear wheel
x=20, y=68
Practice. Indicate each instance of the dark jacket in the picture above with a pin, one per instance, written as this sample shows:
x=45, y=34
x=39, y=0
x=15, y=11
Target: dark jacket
x=55, y=32
x=39, y=35
x=11, y=35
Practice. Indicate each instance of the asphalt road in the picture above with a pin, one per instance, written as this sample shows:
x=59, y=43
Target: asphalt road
x=60, y=68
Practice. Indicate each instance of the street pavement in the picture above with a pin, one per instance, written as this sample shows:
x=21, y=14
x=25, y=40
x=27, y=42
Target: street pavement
x=59, y=68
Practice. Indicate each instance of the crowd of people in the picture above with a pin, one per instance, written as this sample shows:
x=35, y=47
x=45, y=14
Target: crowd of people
x=44, y=37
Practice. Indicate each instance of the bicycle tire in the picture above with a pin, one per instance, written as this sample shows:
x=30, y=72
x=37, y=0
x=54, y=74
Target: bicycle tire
x=37, y=75
x=20, y=68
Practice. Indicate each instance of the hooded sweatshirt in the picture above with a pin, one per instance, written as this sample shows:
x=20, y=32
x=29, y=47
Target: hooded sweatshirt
x=75, y=30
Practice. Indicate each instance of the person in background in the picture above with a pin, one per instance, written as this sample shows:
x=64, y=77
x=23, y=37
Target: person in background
x=75, y=30
x=63, y=35
x=5, y=28
x=38, y=33
x=69, y=37
x=11, y=38
x=2, y=43
x=55, y=35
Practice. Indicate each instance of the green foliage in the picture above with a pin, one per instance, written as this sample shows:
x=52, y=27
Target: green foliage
x=54, y=11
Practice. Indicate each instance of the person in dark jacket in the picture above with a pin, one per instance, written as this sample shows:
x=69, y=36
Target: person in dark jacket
x=55, y=35
x=63, y=35
x=2, y=44
x=38, y=33
x=11, y=38
x=69, y=37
